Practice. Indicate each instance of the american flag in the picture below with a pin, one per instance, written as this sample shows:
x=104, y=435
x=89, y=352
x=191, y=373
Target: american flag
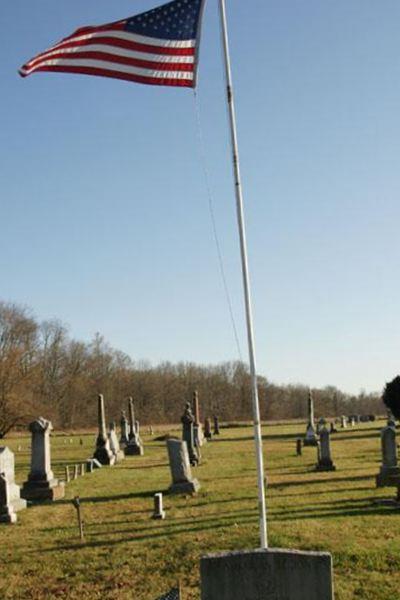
x=172, y=595
x=158, y=47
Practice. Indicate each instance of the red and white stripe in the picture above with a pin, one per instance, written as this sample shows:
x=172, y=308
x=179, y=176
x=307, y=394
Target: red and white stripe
x=110, y=51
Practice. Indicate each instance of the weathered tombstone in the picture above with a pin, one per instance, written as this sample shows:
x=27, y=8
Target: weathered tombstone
x=7, y=512
x=10, y=494
x=199, y=438
x=114, y=443
x=343, y=422
x=299, y=447
x=389, y=474
x=134, y=446
x=182, y=480
x=271, y=574
x=207, y=429
x=159, y=512
x=41, y=484
x=124, y=439
x=67, y=475
x=103, y=451
x=216, y=425
x=187, y=421
x=324, y=455
x=311, y=437
x=76, y=471
x=82, y=469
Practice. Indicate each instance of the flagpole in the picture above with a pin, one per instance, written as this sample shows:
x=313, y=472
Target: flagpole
x=246, y=280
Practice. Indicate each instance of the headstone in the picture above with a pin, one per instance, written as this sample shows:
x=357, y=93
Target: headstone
x=41, y=484
x=299, y=447
x=199, y=438
x=135, y=445
x=67, y=475
x=216, y=425
x=343, y=422
x=159, y=512
x=311, y=437
x=151, y=430
x=114, y=443
x=7, y=512
x=389, y=474
x=271, y=574
x=76, y=471
x=187, y=421
x=207, y=429
x=82, y=469
x=182, y=480
x=124, y=439
x=10, y=496
x=103, y=451
x=324, y=456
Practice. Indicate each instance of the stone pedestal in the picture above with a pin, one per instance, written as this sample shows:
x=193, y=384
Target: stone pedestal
x=103, y=451
x=389, y=474
x=324, y=454
x=114, y=443
x=311, y=438
x=182, y=480
x=271, y=574
x=41, y=484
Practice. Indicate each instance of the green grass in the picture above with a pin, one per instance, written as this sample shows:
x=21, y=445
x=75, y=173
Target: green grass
x=128, y=555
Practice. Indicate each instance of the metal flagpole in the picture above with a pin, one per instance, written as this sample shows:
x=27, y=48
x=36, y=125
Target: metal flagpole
x=246, y=280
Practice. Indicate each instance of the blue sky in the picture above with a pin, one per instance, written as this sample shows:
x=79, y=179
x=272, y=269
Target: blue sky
x=104, y=212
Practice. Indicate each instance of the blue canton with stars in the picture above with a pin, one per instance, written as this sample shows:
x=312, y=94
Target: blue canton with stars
x=177, y=20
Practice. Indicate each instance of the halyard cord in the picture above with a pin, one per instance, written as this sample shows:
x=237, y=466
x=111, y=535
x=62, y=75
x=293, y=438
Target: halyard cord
x=213, y=221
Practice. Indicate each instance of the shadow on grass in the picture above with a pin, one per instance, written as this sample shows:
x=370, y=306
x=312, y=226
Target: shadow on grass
x=305, y=482
x=137, y=466
x=96, y=499
x=325, y=491
x=169, y=531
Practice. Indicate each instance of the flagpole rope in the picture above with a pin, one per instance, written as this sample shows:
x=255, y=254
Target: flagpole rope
x=210, y=196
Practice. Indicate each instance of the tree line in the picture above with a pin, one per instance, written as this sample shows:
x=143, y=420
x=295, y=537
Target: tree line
x=43, y=371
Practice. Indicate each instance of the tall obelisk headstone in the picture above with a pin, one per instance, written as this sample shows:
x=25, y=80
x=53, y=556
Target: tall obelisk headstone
x=187, y=421
x=311, y=437
x=134, y=446
x=41, y=484
x=124, y=439
x=199, y=438
x=103, y=451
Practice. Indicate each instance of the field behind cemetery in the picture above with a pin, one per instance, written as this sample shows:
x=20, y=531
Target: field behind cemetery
x=127, y=555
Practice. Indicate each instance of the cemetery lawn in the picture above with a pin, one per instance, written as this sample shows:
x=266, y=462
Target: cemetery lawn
x=127, y=555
